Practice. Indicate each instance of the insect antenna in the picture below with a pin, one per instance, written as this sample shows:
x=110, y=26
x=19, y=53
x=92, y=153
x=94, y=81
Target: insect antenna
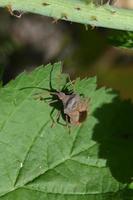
x=34, y=87
x=68, y=87
x=50, y=79
x=51, y=90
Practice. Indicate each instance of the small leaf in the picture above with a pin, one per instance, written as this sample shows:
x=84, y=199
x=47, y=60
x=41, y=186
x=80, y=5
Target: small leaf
x=40, y=162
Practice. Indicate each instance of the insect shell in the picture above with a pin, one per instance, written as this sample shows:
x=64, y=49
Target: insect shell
x=74, y=107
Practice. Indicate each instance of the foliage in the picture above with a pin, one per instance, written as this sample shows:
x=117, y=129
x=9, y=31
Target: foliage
x=122, y=39
x=93, y=162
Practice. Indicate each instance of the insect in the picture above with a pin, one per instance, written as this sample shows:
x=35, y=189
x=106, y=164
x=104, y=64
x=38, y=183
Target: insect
x=71, y=106
x=74, y=107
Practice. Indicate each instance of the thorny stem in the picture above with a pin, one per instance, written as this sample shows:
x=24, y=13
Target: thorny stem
x=76, y=11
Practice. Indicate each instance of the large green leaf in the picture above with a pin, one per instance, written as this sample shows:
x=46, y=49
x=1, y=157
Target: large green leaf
x=40, y=162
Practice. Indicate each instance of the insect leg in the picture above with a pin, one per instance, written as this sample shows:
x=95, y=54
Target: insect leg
x=41, y=98
x=67, y=124
x=69, y=85
x=53, y=101
x=41, y=95
x=58, y=116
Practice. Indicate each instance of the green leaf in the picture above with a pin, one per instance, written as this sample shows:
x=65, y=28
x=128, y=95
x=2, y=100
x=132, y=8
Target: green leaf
x=81, y=11
x=40, y=162
x=123, y=39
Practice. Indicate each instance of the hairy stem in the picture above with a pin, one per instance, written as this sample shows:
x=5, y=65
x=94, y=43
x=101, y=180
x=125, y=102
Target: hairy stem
x=76, y=11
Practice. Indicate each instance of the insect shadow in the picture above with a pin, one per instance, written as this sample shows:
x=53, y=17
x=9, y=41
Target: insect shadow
x=70, y=106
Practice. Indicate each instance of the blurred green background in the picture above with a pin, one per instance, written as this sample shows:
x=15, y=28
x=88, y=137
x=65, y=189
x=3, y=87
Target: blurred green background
x=33, y=40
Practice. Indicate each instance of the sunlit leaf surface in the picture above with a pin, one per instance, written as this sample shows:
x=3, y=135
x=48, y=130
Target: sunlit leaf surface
x=93, y=161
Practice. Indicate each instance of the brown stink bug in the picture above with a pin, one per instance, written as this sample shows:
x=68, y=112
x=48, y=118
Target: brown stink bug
x=75, y=107
x=71, y=106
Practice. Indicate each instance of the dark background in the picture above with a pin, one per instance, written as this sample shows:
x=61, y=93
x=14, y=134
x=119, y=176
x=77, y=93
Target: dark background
x=33, y=40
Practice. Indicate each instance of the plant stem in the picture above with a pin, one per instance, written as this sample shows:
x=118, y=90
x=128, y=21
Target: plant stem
x=76, y=11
